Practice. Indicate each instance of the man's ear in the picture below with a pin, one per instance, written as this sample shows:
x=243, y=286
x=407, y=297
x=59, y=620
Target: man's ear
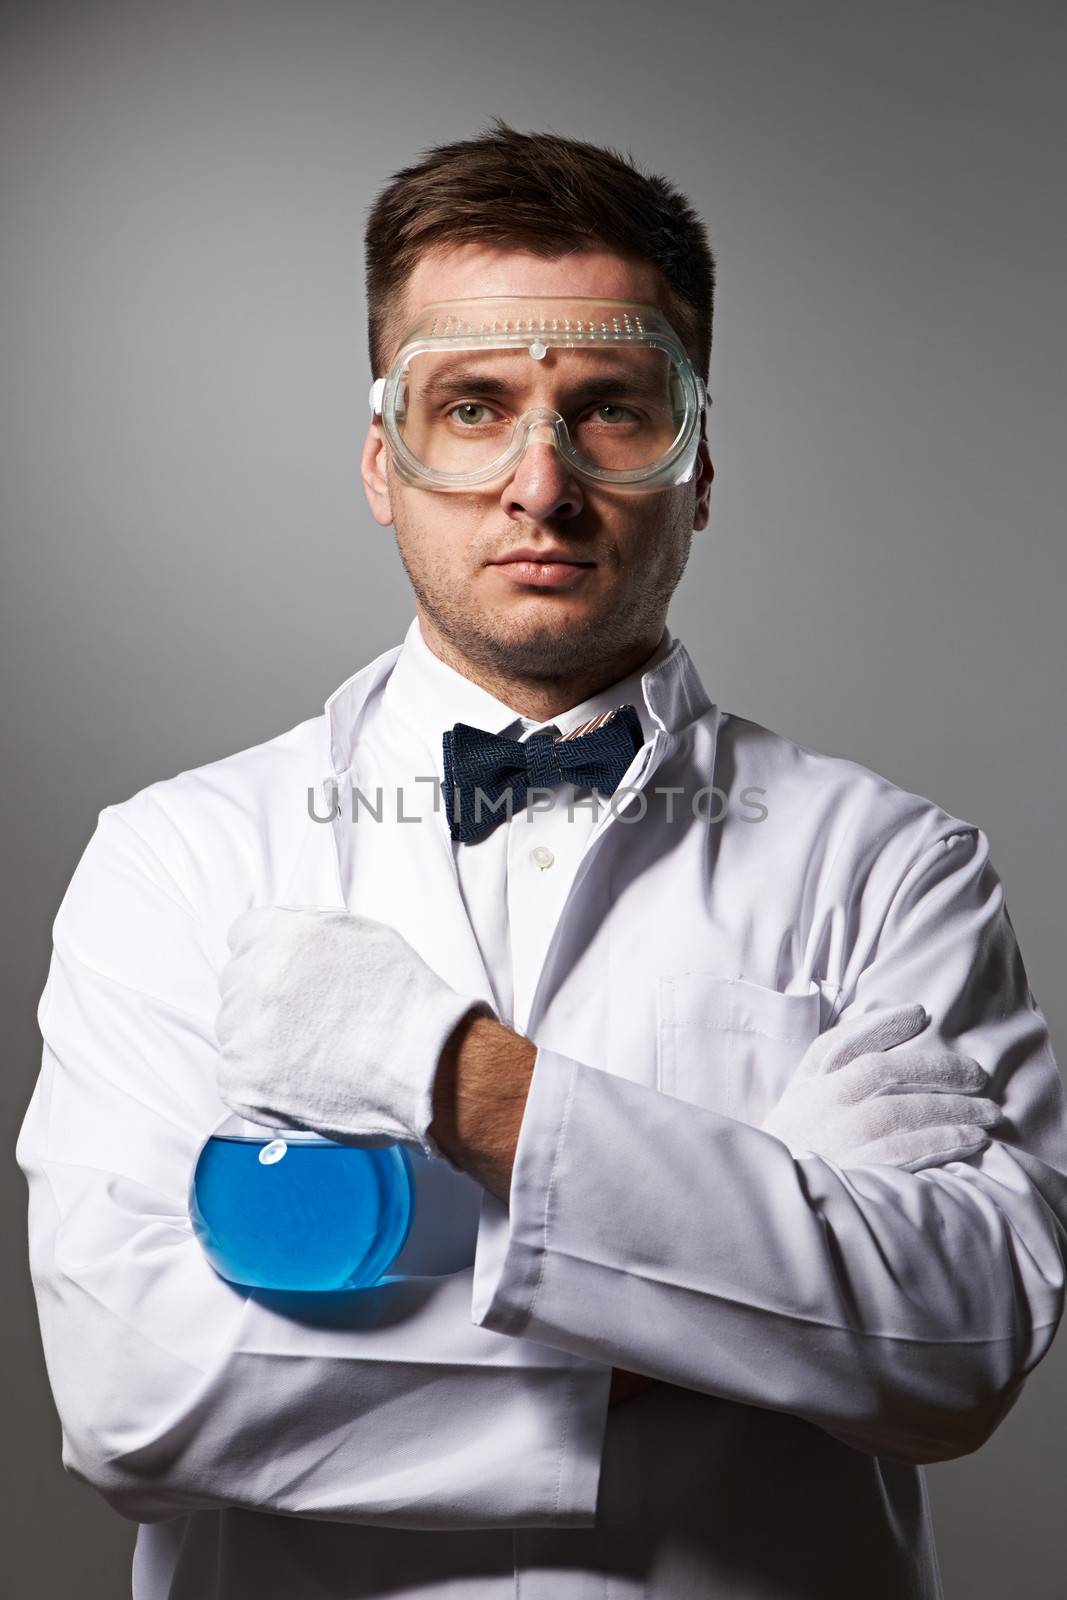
x=375, y=481
x=705, y=475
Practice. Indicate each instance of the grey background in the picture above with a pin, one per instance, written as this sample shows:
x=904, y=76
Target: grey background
x=190, y=568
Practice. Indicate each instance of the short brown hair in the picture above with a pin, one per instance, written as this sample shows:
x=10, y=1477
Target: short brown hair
x=545, y=194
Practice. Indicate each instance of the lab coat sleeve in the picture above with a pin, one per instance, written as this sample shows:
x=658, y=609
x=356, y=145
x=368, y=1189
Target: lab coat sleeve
x=899, y=1312
x=177, y=1391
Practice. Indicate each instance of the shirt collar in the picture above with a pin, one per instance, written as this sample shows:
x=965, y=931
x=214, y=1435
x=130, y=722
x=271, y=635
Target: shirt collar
x=429, y=695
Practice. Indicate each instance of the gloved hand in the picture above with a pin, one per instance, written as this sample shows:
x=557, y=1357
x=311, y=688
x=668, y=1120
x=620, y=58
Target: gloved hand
x=859, y=1098
x=330, y=1021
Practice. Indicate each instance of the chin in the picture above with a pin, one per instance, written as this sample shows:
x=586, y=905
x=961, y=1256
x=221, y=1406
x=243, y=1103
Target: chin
x=549, y=642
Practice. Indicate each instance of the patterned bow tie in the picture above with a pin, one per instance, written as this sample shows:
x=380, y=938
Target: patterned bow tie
x=487, y=776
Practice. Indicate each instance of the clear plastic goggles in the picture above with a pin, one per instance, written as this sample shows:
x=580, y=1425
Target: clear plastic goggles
x=606, y=383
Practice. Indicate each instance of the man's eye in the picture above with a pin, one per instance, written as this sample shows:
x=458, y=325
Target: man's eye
x=463, y=413
x=609, y=412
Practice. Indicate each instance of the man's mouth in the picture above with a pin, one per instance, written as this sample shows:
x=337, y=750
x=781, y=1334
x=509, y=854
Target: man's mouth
x=551, y=568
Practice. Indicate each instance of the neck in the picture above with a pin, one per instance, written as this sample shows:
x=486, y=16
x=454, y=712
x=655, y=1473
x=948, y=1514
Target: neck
x=542, y=698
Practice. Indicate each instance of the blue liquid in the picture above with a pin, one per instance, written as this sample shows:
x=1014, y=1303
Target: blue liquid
x=318, y=1216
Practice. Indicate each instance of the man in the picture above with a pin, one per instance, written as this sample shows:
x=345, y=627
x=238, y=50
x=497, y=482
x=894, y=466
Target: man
x=743, y=1171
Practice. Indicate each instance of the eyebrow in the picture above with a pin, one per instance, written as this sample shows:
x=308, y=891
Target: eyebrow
x=451, y=385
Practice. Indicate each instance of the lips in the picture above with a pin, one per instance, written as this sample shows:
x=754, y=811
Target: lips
x=551, y=554
x=543, y=569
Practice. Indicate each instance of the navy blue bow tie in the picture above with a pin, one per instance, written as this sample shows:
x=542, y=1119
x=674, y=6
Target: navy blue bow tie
x=487, y=776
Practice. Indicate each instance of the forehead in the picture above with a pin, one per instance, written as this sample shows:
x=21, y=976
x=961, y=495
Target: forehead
x=437, y=372
x=478, y=271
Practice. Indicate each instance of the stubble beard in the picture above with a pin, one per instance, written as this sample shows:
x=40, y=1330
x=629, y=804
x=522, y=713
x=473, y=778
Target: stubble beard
x=519, y=646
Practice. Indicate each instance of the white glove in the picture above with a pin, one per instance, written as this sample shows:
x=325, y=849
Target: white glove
x=331, y=1021
x=859, y=1099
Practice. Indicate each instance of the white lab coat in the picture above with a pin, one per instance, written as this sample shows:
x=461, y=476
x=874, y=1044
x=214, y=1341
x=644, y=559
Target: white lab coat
x=820, y=1332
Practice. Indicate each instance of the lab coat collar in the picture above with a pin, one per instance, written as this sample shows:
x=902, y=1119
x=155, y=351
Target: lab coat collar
x=666, y=691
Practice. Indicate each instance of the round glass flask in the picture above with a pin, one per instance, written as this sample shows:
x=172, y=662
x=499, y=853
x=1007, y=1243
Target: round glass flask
x=288, y=1209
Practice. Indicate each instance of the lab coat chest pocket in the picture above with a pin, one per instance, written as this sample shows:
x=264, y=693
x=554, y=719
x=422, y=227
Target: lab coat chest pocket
x=729, y=1044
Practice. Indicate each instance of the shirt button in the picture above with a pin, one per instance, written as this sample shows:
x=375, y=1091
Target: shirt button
x=541, y=856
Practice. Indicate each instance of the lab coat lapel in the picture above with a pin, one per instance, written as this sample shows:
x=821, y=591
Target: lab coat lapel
x=399, y=869
x=403, y=872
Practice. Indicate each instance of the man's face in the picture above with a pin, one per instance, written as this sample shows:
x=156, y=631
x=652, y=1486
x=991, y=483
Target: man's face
x=634, y=546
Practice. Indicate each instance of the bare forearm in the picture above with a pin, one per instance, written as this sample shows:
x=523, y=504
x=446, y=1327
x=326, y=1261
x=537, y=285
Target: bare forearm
x=479, y=1096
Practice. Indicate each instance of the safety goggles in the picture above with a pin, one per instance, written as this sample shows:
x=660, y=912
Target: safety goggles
x=606, y=383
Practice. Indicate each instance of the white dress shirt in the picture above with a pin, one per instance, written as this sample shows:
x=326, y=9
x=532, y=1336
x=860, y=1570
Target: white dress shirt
x=818, y=1332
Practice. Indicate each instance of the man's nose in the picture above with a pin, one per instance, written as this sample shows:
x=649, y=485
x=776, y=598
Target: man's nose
x=542, y=485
